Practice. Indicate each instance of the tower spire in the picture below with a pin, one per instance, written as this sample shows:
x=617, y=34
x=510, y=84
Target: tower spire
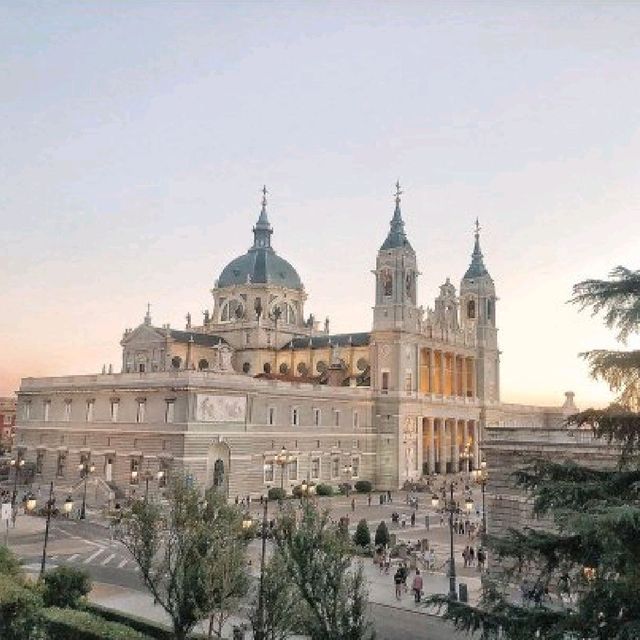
x=476, y=268
x=262, y=230
x=396, y=238
x=147, y=317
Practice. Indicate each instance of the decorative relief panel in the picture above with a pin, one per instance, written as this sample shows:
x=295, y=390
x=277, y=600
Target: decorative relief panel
x=220, y=408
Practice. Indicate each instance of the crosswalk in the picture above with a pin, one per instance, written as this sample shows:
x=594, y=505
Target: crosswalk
x=102, y=553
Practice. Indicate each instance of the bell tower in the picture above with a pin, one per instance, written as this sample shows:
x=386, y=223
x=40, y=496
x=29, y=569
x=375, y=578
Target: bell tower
x=396, y=276
x=478, y=316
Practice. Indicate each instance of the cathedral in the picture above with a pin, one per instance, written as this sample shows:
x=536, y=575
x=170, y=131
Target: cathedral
x=261, y=394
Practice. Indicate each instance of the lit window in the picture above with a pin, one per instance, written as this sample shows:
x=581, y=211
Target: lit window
x=170, y=411
x=135, y=470
x=315, y=468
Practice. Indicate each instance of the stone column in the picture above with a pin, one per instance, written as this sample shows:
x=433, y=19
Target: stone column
x=420, y=444
x=432, y=369
x=443, y=372
x=443, y=444
x=464, y=376
x=474, y=378
x=432, y=444
x=454, y=374
x=476, y=442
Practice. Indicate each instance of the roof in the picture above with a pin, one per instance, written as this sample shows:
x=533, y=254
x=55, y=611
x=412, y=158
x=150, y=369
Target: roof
x=336, y=339
x=396, y=238
x=476, y=268
x=260, y=265
x=201, y=339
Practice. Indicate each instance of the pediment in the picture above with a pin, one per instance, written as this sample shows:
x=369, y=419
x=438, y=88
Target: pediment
x=144, y=334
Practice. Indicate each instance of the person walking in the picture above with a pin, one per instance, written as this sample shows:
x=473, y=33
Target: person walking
x=413, y=518
x=353, y=505
x=417, y=586
x=397, y=579
x=369, y=500
x=405, y=575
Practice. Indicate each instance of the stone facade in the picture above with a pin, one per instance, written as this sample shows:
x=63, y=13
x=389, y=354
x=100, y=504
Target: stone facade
x=220, y=399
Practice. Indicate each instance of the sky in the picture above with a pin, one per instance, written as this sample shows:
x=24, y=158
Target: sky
x=135, y=138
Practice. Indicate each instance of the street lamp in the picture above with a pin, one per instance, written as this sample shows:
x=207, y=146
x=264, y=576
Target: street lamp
x=450, y=507
x=16, y=463
x=283, y=459
x=259, y=633
x=66, y=507
x=466, y=456
x=482, y=476
x=85, y=468
x=348, y=471
x=247, y=521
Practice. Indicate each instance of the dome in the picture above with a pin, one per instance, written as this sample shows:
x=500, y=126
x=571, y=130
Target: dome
x=261, y=264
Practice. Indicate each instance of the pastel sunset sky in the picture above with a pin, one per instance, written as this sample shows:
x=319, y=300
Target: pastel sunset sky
x=135, y=138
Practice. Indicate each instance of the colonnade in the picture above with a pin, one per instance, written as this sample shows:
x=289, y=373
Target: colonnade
x=447, y=373
x=450, y=445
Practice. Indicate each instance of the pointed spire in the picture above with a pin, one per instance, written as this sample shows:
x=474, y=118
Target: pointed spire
x=396, y=238
x=147, y=317
x=263, y=230
x=476, y=268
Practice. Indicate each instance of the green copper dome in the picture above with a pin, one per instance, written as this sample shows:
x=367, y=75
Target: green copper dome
x=261, y=264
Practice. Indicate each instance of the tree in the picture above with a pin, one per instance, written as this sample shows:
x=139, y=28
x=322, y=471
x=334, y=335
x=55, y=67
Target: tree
x=590, y=558
x=382, y=538
x=318, y=561
x=176, y=547
x=362, y=536
x=282, y=609
x=65, y=587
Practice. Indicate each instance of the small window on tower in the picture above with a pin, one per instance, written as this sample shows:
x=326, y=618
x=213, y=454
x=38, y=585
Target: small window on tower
x=471, y=309
x=386, y=280
x=489, y=309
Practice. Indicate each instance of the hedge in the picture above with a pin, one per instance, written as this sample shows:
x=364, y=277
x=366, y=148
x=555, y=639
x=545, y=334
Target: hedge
x=276, y=493
x=71, y=624
x=363, y=486
x=146, y=627
x=20, y=607
x=324, y=490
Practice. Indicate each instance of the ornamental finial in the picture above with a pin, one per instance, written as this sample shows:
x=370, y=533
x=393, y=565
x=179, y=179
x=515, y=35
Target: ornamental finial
x=398, y=192
x=264, y=197
x=477, y=227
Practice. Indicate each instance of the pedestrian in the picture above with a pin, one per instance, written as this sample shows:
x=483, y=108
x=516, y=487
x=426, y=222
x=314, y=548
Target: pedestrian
x=369, y=500
x=397, y=579
x=417, y=586
x=381, y=499
x=405, y=574
x=432, y=559
x=465, y=556
x=413, y=518
x=353, y=504
x=481, y=558
x=389, y=496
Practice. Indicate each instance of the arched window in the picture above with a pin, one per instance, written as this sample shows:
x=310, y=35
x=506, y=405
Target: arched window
x=246, y=367
x=284, y=312
x=386, y=280
x=203, y=364
x=302, y=368
x=471, y=309
x=266, y=367
x=176, y=362
x=232, y=310
x=284, y=368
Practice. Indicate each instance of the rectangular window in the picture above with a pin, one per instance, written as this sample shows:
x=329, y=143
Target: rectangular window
x=293, y=470
x=316, y=417
x=269, y=472
x=90, y=404
x=356, y=420
x=115, y=406
x=170, y=411
x=163, y=472
x=272, y=415
x=355, y=466
x=336, y=416
x=140, y=413
x=408, y=382
x=47, y=410
x=62, y=464
x=295, y=417
x=335, y=467
x=39, y=462
x=135, y=470
x=315, y=468
x=26, y=410
x=385, y=381
x=67, y=410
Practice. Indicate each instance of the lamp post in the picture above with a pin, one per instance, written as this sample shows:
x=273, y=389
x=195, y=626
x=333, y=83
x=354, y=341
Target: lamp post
x=282, y=459
x=31, y=505
x=85, y=469
x=260, y=631
x=348, y=471
x=466, y=456
x=17, y=463
x=482, y=476
x=450, y=507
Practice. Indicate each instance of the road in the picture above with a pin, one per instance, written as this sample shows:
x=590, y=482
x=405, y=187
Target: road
x=88, y=546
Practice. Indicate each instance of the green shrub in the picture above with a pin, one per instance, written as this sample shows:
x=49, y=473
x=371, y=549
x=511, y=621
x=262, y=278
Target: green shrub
x=324, y=490
x=9, y=564
x=65, y=586
x=145, y=627
x=344, y=488
x=362, y=536
x=69, y=624
x=382, y=535
x=20, y=610
x=276, y=493
x=363, y=486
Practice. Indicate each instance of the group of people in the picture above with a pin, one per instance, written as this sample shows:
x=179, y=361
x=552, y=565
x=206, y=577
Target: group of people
x=470, y=557
x=400, y=580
